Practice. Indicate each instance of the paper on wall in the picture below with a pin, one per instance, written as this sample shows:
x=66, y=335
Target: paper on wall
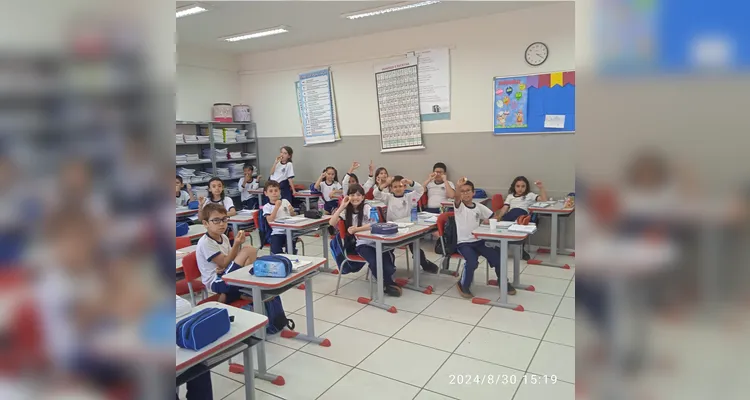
x=554, y=121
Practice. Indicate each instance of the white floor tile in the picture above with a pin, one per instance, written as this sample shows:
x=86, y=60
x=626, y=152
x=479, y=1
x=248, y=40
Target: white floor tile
x=440, y=283
x=326, y=283
x=555, y=359
x=543, y=284
x=334, y=309
x=373, y=319
x=411, y=301
x=571, y=292
x=479, y=289
x=562, y=331
x=405, y=362
x=550, y=272
x=300, y=321
x=427, y=395
x=362, y=385
x=536, y=302
x=446, y=380
x=306, y=376
x=538, y=388
x=567, y=308
x=239, y=394
x=221, y=386
x=459, y=310
x=274, y=354
x=353, y=289
x=348, y=346
x=562, y=259
x=434, y=332
x=294, y=299
x=525, y=323
x=499, y=348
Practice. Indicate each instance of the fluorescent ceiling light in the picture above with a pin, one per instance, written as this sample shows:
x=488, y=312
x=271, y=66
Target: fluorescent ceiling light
x=191, y=9
x=257, y=34
x=388, y=9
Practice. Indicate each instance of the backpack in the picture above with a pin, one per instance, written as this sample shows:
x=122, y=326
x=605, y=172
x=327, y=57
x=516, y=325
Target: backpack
x=337, y=250
x=277, y=319
x=450, y=238
x=264, y=230
x=480, y=194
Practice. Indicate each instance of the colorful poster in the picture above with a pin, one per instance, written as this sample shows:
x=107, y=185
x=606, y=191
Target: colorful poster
x=511, y=95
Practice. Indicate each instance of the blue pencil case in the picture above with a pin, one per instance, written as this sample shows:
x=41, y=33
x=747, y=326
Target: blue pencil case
x=271, y=266
x=202, y=328
x=182, y=229
x=193, y=205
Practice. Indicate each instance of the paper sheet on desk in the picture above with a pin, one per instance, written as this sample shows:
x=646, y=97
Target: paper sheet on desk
x=291, y=220
x=245, y=212
x=522, y=228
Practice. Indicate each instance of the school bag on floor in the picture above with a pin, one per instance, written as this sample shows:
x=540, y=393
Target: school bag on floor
x=277, y=319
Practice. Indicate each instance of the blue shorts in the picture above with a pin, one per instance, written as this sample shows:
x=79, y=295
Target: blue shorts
x=221, y=287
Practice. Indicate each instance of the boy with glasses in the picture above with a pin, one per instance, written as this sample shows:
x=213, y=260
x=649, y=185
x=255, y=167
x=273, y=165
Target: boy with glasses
x=217, y=257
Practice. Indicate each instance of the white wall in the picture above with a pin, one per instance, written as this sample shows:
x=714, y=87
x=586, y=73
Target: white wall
x=205, y=77
x=481, y=48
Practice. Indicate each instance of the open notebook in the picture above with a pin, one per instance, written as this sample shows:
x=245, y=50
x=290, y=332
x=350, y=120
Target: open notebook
x=522, y=228
x=296, y=262
x=291, y=220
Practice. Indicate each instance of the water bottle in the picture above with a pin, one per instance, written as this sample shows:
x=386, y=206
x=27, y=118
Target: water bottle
x=414, y=216
x=374, y=214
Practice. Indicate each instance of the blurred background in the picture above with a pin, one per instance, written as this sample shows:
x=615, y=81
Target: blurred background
x=663, y=193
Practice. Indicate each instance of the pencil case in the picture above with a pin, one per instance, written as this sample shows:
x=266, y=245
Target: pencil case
x=193, y=205
x=202, y=328
x=272, y=266
x=182, y=229
x=384, y=228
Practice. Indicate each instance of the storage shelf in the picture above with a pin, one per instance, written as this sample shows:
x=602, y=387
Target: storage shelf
x=237, y=159
x=212, y=123
x=194, y=162
x=194, y=144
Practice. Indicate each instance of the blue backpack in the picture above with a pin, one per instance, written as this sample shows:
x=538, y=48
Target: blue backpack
x=202, y=328
x=182, y=229
x=337, y=249
x=480, y=194
x=264, y=230
x=277, y=319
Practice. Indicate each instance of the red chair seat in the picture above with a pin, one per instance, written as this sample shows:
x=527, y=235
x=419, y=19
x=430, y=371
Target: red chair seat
x=182, y=286
x=237, y=303
x=355, y=257
x=456, y=255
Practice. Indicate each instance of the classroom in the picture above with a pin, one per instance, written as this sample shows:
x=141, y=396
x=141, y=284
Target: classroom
x=458, y=120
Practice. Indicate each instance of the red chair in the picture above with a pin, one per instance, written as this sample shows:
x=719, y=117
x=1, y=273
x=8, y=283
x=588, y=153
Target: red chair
x=497, y=202
x=299, y=187
x=192, y=282
x=182, y=242
x=369, y=195
x=256, y=221
x=422, y=203
x=348, y=257
x=441, y=221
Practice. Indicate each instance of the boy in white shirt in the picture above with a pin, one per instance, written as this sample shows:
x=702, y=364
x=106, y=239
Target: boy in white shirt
x=277, y=208
x=246, y=184
x=182, y=197
x=399, y=205
x=438, y=188
x=469, y=216
x=217, y=257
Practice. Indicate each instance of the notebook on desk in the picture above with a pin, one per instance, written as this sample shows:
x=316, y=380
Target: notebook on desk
x=245, y=212
x=522, y=228
x=540, y=205
x=297, y=264
x=291, y=220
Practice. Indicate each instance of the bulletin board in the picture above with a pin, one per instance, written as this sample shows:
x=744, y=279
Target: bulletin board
x=529, y=104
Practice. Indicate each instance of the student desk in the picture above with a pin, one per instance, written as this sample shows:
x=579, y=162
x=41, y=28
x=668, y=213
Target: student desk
x=555, y=212
x=237, y=340
x=195, y=231
x=181, y=253
x=307, y=225
x=259, y=193
x=243, y=279
x=503, y=237
x=411, y=234
x=244, y=217
x=184, y=212
x=307, y=195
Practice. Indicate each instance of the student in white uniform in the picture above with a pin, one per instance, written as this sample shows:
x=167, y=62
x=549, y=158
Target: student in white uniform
x=350, y=178
x=519, y=199
x=277, y=208
x=469, y=215
x=399, y=205
x=282, y=172
x=356, y=215
x=217, y=257
x=182, y=197
x=216, y=196
x=246, y=184
x=330, y=188
x=438, y=188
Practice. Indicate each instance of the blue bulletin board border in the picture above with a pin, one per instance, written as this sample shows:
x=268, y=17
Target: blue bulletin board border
x=546, y=94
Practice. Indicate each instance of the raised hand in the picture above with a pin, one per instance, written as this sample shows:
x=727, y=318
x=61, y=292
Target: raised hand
x=240, y=238
x=539, y=184
x=201, y=200
x=355, y=165
x=461, y=181
x=372, y=168
x=405, y=182
x=388, y=180
x=345, y=201
x=189, y=188
x=433, y=176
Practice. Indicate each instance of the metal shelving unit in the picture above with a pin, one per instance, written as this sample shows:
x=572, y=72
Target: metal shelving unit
x=247, y=146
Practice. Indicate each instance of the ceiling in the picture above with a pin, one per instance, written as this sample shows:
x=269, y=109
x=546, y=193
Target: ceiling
x=316, y=21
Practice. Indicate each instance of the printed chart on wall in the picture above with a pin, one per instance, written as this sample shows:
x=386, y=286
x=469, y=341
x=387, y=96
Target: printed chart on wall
x=542, y=103
x=434, y=84
x=316, y=106
x=397, y=85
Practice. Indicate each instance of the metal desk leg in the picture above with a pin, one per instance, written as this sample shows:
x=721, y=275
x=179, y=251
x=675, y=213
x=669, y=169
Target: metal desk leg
x=247, y=357
x=502, y=282
x=307, y=203
x=262, y=372
x=310, y=336
x=414, y=284
x=326, y=267
x=289, y=242
x=553, y=248
x=517, y=270
x=260, y=201
x=379, y=300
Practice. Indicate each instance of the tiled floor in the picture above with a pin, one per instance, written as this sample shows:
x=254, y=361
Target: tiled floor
x=437, y=346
